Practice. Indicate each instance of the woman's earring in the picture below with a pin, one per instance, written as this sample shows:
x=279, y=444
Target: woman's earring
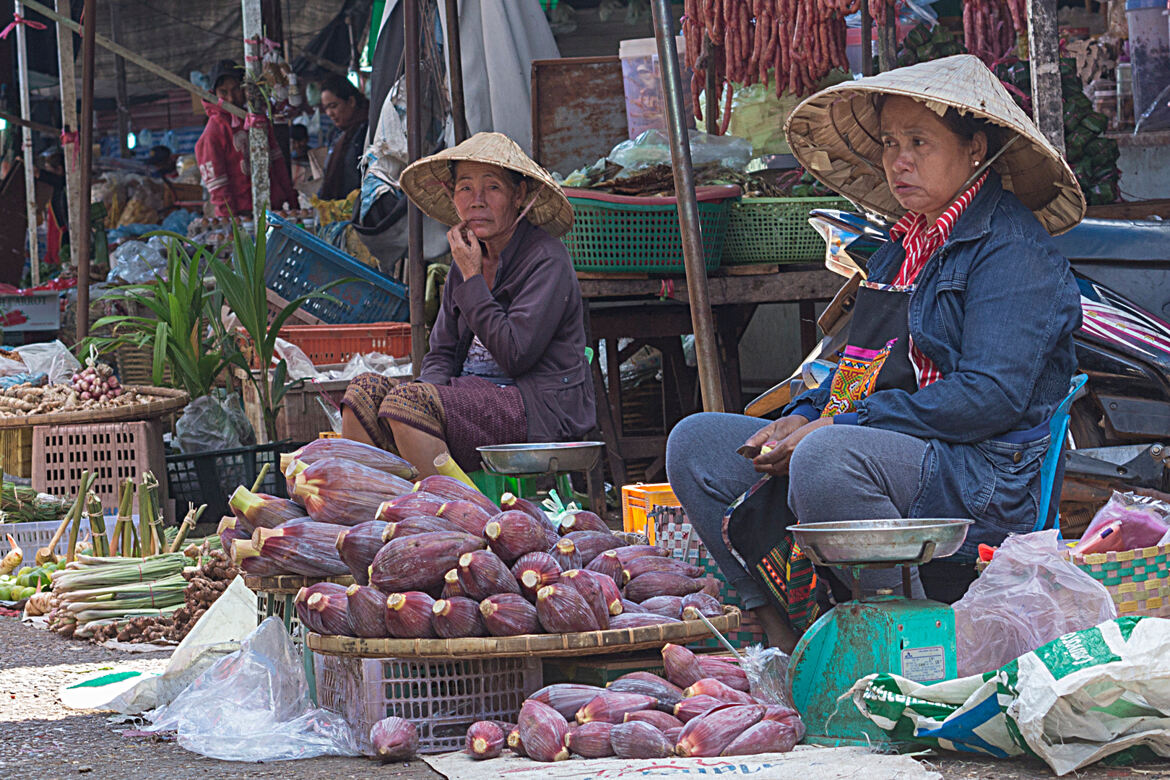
x=975, y=164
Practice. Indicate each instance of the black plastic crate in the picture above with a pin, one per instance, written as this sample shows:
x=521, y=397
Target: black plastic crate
x=211, y=477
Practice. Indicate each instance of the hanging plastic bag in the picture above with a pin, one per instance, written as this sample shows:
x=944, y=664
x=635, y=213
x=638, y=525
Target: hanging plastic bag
x=213, y=422
x=299, y=364
x=253, y=705
x=136, y=262
x=1027, y=596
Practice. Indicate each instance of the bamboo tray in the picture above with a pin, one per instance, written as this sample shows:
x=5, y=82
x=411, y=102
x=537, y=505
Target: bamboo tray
x=621, y=640
x=166, y=401
x=291, y=583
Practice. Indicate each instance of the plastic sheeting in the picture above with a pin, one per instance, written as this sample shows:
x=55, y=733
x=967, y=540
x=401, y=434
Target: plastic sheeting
x=253, y=705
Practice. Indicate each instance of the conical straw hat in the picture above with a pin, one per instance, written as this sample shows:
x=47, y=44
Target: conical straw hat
x=835, y=136
x=428, y=183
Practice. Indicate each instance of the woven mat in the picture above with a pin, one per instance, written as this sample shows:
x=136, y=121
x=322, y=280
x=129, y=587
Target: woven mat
x=801, y=764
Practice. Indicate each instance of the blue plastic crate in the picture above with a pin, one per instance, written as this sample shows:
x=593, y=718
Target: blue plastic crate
x=298, y=262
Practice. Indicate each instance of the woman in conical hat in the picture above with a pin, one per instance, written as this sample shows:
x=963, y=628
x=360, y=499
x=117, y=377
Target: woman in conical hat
x=507, y=353
x=960, y=343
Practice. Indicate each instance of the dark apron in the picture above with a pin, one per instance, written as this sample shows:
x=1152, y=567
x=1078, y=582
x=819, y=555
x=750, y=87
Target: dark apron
x=755, y=527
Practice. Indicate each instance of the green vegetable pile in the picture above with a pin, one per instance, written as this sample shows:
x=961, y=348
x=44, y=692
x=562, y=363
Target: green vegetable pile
x=26, y=581
x=22, y=504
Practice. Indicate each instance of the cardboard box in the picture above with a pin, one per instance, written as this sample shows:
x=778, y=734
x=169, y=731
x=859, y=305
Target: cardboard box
x=41, y=311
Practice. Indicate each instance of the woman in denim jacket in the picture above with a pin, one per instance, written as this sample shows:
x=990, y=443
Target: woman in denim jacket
x=960, y=351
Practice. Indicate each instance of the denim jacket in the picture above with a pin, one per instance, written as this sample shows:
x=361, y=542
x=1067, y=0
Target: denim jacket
x=995, y=309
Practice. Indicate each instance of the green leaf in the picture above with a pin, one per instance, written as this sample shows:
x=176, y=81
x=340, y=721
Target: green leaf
x=160, y=351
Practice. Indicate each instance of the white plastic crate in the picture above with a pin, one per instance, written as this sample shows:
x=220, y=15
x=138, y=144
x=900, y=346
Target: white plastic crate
x=441, y=697
x=33, y=536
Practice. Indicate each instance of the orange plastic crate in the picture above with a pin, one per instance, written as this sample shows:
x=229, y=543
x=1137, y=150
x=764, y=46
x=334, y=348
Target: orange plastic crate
x=639, y=500
x=338, y=343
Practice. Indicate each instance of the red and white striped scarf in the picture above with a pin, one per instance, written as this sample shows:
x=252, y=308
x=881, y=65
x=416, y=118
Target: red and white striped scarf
x=921, y=241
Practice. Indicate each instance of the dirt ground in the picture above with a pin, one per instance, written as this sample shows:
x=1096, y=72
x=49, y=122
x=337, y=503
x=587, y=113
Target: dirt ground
x=39, y=738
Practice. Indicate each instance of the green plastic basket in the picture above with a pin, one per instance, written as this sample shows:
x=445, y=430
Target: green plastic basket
x=630, y=238
x=775, y=230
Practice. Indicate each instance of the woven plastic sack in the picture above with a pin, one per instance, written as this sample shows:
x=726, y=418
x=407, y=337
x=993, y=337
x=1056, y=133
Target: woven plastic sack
x=1027, y=596
x=1071, y=702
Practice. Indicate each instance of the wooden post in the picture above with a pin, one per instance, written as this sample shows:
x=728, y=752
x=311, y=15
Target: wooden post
x=415, y=273
x=258, y=133
x=711, y=54
x=1044, y=52
x=455, y=72
x=26, y=145
x=69, y=125
x=123, y=102
x=706, y=348
x=88, y=48
x=888, y=39
x=866, y=40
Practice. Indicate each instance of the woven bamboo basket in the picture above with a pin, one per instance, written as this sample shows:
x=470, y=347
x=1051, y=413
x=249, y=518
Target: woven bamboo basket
x=1137, y=580
x=621, y=640
x=163, y=401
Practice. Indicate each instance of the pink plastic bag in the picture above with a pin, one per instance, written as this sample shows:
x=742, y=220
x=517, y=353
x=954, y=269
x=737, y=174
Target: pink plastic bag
x=1027, y=596
x=1143, y=522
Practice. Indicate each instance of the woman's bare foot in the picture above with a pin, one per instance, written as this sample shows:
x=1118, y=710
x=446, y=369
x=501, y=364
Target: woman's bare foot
x=779, y=632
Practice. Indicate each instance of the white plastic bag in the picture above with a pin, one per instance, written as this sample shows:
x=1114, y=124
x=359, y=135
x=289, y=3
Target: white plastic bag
x=1027, y=596
x=52, y=358
x=253, y=705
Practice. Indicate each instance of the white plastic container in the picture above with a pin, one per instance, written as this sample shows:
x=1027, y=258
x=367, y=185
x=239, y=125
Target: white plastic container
x=642, y=79
x=1149, y=50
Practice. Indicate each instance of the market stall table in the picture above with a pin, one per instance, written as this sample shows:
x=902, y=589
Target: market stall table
x=654, y=311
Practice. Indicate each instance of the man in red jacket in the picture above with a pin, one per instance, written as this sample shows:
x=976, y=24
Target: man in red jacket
x=222, y=152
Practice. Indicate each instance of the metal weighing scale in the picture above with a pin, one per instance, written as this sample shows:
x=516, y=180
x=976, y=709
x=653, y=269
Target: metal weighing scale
x=556, y=459
x=883, y=633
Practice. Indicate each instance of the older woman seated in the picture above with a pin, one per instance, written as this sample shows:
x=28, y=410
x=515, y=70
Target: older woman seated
x=507, y=353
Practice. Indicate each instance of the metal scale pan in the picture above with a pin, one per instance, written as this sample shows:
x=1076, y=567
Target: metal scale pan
x=543, y=458
x=880, y=543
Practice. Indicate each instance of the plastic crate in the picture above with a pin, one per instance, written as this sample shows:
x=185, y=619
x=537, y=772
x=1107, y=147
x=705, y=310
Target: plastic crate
x=33, y=536
x=639, y=500
x=673, y=531
x=210, y=477
x=114, y=452
x=298, y=263
x=775, y=230
x=338, y=343
x=641, y=235
x=16, y=451
x=441, y=697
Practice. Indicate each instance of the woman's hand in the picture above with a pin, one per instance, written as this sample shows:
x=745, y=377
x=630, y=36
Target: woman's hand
x=776, y=460
x=774, y=432
x=465, y=250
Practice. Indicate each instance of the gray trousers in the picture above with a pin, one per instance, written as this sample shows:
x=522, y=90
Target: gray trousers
x=839, y=472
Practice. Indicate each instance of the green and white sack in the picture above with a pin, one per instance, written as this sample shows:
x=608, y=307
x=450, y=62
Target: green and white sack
x=1071, y=702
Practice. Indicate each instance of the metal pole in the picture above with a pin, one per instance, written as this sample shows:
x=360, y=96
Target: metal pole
x=258, y=133
x=866, y=40
x=123, y=102
x=710, y=383
x=26, y=145
x=69, y=124
x=455, y=72
x=415, y=273
x=88, y=46
x=1044, y=52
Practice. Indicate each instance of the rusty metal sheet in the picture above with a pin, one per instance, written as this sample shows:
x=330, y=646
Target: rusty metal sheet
x=578, y=110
